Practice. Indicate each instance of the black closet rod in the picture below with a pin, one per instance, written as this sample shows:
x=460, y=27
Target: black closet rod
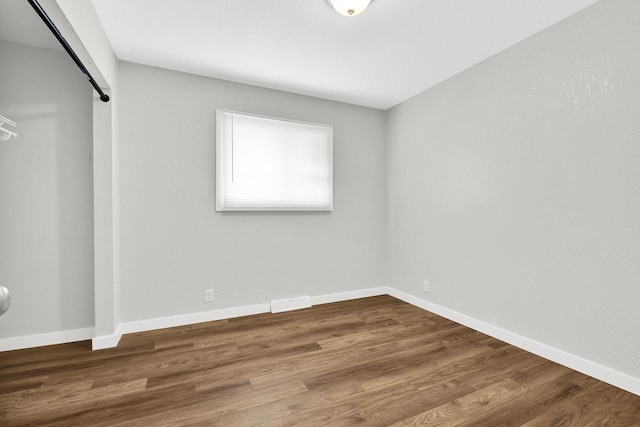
x=45, y=18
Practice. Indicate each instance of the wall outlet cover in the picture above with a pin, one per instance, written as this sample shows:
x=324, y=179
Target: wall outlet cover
x=425, y=286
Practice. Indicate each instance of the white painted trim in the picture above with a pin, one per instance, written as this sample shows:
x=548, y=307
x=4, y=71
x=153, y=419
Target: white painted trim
x=107, y=341
x=569, y=360
x=346, y=296
x=51, y=338
x=188, y=319
x=230, y=313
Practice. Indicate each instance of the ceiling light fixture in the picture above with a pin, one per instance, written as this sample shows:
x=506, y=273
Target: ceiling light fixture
x=349, y=7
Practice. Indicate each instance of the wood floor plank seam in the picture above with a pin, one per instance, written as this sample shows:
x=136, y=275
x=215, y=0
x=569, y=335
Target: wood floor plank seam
x=373, y=362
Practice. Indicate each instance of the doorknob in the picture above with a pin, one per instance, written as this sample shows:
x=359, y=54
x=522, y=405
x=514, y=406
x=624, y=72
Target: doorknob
x=5, y=300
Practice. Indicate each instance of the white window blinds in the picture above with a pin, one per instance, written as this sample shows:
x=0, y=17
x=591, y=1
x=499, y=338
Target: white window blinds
x=268, y=164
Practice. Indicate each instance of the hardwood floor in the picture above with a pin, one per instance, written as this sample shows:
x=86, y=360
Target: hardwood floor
x=373, y=362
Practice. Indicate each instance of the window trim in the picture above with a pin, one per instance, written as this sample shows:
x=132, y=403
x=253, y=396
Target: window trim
x=220, y=164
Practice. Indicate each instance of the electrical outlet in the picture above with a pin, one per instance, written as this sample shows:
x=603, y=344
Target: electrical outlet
x=425, y=286
x=208, y=295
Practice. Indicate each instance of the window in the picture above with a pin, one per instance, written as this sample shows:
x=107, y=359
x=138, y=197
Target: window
x=268, y=164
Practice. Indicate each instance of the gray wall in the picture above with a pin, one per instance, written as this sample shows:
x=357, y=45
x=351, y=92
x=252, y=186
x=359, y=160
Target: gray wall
x=174, y=244
x=46, y=205
x=515, y=188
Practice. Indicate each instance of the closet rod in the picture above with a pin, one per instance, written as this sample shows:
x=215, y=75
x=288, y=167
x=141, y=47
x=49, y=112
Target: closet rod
x=45, y=18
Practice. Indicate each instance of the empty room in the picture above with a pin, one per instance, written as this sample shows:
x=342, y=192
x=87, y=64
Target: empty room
x=319, y=212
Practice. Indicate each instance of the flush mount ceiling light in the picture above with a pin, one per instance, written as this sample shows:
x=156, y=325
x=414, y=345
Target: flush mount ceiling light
x=349, y=7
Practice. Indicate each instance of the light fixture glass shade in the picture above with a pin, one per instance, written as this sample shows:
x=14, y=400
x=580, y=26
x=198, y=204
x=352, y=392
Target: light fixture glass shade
x=349, y=7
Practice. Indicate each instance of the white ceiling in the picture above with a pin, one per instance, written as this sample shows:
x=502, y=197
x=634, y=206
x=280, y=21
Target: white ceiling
x=391, y=52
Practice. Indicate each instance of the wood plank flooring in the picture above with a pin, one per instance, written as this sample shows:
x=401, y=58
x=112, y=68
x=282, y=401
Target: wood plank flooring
x=372, y=362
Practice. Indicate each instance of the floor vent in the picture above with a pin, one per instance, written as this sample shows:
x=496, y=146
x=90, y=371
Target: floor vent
x=289, y=304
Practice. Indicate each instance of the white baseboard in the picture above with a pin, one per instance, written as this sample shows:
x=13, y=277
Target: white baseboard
x=51, y=338
x=346, y=296
x=107, y=341
x=569, y=360
x=188, y=319
x=229, y=313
